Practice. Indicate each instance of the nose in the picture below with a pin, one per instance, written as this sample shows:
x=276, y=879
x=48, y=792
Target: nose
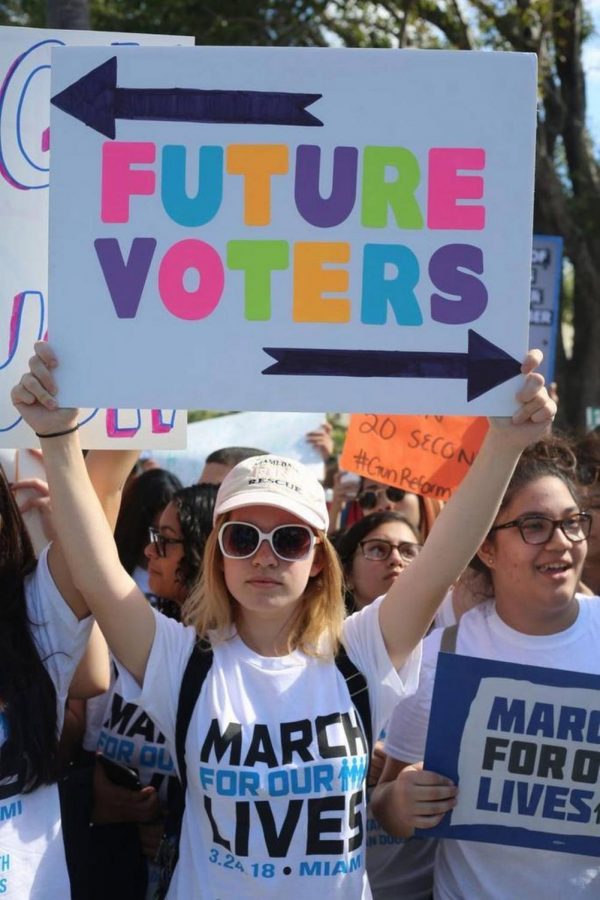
x=150, y=550
x=264, y=555
x=394, y=558
x=559, y=539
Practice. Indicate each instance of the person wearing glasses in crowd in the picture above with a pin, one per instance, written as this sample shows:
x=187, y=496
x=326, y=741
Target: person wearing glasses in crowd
x=144, y=498
x=355, y=497
x=276, y=753
x=374, y=552
x=128, y=821
x=532, y=558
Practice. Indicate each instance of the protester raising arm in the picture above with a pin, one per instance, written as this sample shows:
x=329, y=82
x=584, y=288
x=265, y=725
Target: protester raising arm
x=410, y=604
x=120, y=608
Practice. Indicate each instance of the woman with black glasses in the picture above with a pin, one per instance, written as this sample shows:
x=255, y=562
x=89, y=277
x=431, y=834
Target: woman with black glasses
x=276, y=748
x=373, y=552
x=533, y=558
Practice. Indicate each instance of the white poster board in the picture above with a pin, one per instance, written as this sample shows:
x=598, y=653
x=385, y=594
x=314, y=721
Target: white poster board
x=275, y=432
x=24, y=174
x=291, y=228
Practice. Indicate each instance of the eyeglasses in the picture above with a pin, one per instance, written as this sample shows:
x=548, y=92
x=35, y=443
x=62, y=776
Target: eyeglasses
x=378, y=549
x=291, y=543
x=160, y=542
x=368, y=499
x=540, y=529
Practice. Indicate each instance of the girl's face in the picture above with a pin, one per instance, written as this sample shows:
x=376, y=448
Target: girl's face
x=162, y=570
x=534, y=584
x=265, y=586
x=408, y=506
x=369, y=578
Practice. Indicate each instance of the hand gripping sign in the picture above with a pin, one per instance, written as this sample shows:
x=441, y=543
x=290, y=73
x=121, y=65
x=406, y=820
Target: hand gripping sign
x=523, y=743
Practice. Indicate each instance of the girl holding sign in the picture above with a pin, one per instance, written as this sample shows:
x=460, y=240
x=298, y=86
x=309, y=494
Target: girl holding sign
x=532, y=558
x=276, y=748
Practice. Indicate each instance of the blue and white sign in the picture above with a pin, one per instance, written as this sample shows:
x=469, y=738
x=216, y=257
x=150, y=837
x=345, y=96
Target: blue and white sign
x=523, y=744
x=544, y=310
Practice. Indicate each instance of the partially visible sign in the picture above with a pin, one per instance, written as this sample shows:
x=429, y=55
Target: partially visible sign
x=428, y=455
x=24, y=176
x=523, y=744
x=592, y=417
x=544, y=312
x=275, y=432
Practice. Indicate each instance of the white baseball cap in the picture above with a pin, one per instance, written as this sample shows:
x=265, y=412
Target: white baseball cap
x=274, y=481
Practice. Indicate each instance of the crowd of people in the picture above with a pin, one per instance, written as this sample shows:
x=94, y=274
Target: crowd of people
x=255, y=723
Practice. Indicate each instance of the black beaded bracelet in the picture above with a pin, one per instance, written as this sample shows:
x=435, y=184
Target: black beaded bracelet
x=58, y=433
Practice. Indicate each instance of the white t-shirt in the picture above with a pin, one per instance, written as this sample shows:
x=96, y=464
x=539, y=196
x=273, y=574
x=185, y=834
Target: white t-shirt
x=123, y=731
x=32, y=858
x=471, y=869
x=276, y=763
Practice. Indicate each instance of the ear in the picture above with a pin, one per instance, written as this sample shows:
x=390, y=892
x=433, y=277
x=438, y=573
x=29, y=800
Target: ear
x=487, y=554
x=318, y=562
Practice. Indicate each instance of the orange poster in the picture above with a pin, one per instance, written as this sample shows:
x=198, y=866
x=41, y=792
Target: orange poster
x=428, y=455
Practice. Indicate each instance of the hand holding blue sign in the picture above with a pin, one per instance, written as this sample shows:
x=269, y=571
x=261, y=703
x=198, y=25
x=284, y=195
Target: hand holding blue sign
x=422, y=797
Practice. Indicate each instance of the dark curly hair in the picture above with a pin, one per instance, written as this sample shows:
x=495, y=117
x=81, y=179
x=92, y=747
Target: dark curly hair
x=143, y=499
x=27, y=694
x=195, y=505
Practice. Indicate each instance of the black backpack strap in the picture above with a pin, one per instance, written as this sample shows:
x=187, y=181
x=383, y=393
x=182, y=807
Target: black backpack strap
x=194, y=677
x=449, y=637
x=359, y=692
x=197, y=669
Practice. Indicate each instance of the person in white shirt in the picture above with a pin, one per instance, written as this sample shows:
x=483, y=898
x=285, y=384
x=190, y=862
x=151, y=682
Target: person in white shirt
x=276, y=753
x=532, y=559
x=41, y=644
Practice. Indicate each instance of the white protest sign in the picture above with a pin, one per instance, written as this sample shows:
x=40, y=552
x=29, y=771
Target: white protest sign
x=291, y=228
x=281, y=433
x=24, y=174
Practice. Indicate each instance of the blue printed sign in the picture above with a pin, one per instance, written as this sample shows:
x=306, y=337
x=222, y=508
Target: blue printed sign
x=544, y=311
x=523, y=744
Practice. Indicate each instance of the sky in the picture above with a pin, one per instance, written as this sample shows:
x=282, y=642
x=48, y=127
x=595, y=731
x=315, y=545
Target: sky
x=592, y=66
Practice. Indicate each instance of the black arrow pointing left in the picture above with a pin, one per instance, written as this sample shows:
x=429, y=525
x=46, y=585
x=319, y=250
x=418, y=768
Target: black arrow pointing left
x=96, y=101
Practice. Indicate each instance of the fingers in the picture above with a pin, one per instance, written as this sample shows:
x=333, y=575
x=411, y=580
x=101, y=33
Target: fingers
x=532, y=361
x=36, y=484
x=536, y=404
x=41, y=503
x=30, y=390
x=46, y=354
x=425, y=796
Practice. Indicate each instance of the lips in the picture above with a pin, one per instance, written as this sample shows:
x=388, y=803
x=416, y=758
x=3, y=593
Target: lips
x=262, y=582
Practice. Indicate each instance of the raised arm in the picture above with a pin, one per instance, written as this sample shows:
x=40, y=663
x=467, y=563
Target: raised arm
x=409, y=606
x=80, y=524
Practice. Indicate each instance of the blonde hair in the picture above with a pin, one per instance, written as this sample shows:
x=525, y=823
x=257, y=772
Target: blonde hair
x=210, y=607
